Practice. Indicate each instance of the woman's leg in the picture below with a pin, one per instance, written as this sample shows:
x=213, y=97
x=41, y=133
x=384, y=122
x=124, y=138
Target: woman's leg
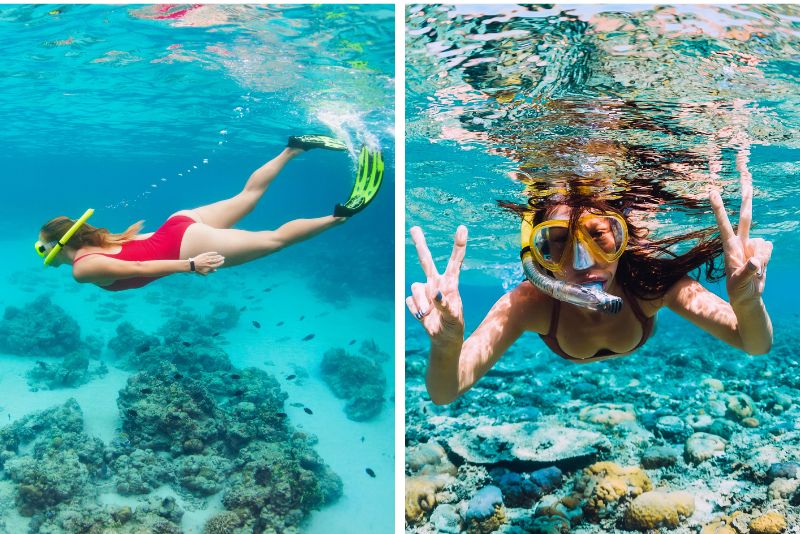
x=241, y=246
x=226, y=213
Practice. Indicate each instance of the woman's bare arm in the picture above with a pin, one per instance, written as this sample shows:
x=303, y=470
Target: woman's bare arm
x=455, y=368
x=746, y=327
x=99, y=269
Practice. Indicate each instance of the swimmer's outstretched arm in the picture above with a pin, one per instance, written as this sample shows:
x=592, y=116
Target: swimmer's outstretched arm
x=743, y=322
x=455, y=365
x=100, y=269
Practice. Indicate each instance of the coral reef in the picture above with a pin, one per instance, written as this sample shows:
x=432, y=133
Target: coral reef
x=714, y=429
x=485, y=511
x=72, y=371
x=358, y=380
x=39, y=329
x=657, y=509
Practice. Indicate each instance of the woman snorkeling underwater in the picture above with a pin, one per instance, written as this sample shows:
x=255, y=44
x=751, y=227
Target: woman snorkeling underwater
x=594, y=287
x=199, y=240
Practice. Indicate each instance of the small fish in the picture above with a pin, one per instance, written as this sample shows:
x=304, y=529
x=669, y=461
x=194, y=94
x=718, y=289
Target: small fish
x=308, y=411
x=250, y=297
x=370, y=472
x=309, y=336
x=302, y=317
x=291, y=377
x=243, y=308
x=147, y=391
x=256, y=324
x=177, y=376
x=236, y=377
x=41, y=364
x=352, y=342
x=362, y=439
x=238, y=393
x=187, y=344
x=282, y=415
x=215, y=334
x=133, y=413
x=280, y=323
x=267, y=289
x=297, y=404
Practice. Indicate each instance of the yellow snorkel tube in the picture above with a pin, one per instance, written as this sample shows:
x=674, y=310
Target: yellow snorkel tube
x=583, y=296
x=49, y=250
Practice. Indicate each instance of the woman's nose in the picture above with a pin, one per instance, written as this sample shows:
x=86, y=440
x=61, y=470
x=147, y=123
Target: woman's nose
x=581, y=258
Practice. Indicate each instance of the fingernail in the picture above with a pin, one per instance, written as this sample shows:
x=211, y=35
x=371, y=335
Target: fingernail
x=438, y=296
x=418, y=315
x=423, y=312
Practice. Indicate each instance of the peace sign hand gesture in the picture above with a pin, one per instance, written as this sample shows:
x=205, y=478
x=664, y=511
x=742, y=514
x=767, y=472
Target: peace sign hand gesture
x=437, y=303
x=746, y=259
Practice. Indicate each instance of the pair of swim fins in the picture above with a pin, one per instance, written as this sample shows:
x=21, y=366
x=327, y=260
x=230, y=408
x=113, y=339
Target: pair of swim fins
x=369, y=174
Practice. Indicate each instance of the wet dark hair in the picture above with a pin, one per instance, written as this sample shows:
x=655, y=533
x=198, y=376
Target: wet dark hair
x=647, y=269
x=87, y=235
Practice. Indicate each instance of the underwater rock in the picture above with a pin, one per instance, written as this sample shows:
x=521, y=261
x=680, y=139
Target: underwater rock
x=783, y=489
x=772, y=522
x=445, y=519
x=278, y=484
x=722, y=525
x=160, y=515
x=783, y=470
x=222, y=317
x=370, y=349
x=222, y=523
x=358, y=380
x=602, y=485
x=131, y=341
x=658, y=457
x=740, y=406
x=657, y=509
x=428, y=459
x=672, y=428
x=608, y=414
x=701, y=447
x=485, y=511
x=722, y=428
x=553, y=516
x=140, y=472
x=172, y=412
x=202, y=474
x=40, y=328
x=74, y=370
x=50, y=458
x=526, y=442
x=420, y=495
x=699, y=422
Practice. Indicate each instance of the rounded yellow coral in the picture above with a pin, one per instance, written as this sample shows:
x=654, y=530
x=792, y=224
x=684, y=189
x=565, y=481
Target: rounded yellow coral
x=656, y=509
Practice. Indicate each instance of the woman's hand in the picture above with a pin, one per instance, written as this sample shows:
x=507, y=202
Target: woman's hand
x=745, y=259
x=437, y=303
x=207, y=262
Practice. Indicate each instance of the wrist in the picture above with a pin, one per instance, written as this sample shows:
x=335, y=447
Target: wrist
x=192, y=266
x=747, y=304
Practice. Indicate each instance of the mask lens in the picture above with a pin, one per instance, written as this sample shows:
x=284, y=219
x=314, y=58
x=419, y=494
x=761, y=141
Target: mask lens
x=606, y=232
x=551, y=242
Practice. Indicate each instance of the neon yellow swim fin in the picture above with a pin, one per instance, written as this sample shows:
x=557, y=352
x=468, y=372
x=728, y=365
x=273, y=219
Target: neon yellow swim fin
x=369, y=178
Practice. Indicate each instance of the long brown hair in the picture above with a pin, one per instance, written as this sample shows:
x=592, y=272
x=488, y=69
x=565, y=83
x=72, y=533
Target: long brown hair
x=647, y=269
x=87, y=235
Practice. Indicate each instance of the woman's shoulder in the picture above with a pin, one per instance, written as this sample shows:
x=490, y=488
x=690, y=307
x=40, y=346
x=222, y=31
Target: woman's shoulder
x=531, y=307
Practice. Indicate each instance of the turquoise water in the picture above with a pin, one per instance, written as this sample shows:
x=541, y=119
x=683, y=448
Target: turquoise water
x=140, y=111
x=507, y=100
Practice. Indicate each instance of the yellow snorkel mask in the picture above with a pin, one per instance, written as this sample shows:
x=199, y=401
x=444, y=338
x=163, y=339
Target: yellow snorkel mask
x=544, y=245
x=49, y=250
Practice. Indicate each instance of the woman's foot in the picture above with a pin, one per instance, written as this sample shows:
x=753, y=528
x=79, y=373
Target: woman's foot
x=307, y=142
